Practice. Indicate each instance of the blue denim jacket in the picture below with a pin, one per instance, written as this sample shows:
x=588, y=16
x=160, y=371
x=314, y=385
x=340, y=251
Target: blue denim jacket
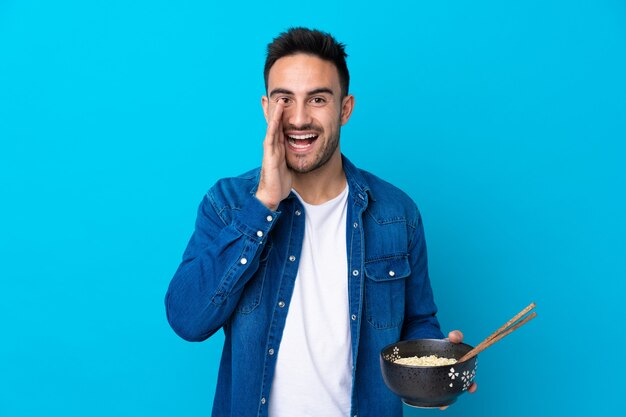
x=239, y=269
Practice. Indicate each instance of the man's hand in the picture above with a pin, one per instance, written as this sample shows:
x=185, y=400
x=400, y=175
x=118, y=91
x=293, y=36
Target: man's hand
x=455, y=336
x=275, y=182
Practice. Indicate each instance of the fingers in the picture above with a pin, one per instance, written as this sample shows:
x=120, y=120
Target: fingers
x=455, y=336
x=274, y=125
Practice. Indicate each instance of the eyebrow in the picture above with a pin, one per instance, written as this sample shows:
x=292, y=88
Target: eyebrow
x=310, y=93
x=320, y=91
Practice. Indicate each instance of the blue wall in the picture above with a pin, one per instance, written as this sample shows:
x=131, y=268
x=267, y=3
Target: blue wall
x=505, y=121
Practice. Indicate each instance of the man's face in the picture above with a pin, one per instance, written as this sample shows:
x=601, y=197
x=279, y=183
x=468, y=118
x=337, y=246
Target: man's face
x=314, y=110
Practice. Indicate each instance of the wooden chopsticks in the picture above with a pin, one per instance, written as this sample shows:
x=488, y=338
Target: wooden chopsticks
x=515, y=323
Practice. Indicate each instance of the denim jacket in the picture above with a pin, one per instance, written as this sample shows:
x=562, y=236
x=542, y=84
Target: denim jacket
x=239, y=269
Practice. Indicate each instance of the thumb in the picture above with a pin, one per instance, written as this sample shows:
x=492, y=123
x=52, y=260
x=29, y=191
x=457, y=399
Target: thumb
x=455, y=336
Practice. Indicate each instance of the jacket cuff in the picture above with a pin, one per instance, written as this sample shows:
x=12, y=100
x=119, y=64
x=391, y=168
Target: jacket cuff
x=255, y=220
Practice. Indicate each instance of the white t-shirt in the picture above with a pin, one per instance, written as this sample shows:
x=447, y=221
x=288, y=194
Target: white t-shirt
x=314, y=363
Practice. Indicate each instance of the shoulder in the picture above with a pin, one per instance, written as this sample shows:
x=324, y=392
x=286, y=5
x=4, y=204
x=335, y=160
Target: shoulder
x=233, y=192
x=388, y=202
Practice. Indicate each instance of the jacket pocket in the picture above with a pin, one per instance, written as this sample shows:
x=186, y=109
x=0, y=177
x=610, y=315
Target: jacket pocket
x=385, y=290
x=253, y=290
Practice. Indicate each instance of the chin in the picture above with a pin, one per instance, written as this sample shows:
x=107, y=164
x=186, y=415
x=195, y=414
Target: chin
x=302, y=168
x=303, y=164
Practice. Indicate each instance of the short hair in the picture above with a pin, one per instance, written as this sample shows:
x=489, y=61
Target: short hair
x=309, y=41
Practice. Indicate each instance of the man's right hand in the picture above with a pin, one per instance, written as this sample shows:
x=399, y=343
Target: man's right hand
x=276, y=177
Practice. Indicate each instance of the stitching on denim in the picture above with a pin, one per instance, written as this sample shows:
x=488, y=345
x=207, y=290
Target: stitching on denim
x=397, y=219
x=262, y=265
x=221, y=292
x=247, y=309
x=387, y=257
x=413, y=238
x=217, y=211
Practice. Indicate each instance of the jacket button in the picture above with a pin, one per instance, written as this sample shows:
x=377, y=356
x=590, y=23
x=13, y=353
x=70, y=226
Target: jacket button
x=292, y=258
x=355, y=225
x=298, y=212
x=259, y=233
x=391, y=273
x=355, y=272
x=281, y=304
x=353, y=317
x=243, y=261
x=269, y=218
x=263, y=400
x=271, y=352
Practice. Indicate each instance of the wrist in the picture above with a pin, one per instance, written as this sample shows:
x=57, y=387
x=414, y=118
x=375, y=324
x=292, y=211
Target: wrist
x=265, y=201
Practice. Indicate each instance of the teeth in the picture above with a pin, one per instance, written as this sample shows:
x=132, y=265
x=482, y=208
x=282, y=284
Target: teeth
x=301, y=137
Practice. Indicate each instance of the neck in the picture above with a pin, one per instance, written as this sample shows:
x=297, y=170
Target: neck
x=322, y=184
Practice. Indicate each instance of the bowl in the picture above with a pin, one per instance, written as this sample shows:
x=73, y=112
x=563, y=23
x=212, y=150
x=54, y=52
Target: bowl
x=427, y=386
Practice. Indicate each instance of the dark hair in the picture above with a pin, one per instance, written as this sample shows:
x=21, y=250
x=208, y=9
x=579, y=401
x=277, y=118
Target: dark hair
x=309, y=41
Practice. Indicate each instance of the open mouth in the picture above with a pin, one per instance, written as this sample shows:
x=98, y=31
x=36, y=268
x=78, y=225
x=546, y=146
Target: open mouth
x=301, y=142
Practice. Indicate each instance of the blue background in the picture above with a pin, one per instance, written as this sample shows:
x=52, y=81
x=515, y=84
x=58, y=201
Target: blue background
x=505, y=121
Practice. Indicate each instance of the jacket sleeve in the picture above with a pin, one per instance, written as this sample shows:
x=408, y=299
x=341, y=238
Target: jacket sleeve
x=222, y=255
x=420, y=321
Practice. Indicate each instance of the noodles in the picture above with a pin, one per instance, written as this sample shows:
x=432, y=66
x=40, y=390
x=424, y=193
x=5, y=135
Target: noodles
x=431, y=360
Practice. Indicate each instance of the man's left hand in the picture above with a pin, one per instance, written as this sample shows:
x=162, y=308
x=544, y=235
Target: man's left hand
x=455, y=336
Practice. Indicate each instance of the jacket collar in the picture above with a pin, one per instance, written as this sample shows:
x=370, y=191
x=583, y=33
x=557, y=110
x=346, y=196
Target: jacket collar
x=356, y=180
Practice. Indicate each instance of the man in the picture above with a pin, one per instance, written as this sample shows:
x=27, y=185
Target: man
x=310, y=265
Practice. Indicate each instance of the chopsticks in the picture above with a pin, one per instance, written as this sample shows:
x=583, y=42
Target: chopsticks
x=510, y=326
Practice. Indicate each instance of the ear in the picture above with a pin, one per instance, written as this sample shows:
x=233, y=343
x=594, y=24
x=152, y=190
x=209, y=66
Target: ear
x=265, y=103
x=347, y=105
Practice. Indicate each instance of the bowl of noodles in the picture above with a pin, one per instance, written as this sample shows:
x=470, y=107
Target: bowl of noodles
x=425, y=372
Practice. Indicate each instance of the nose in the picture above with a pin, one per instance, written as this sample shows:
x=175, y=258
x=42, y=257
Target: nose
x=298, y=115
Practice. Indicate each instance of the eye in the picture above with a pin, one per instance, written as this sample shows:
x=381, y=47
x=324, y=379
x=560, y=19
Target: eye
x=285, y=100
x=318, y=100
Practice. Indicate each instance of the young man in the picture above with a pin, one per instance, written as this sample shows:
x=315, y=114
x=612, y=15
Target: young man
x=310, y=265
